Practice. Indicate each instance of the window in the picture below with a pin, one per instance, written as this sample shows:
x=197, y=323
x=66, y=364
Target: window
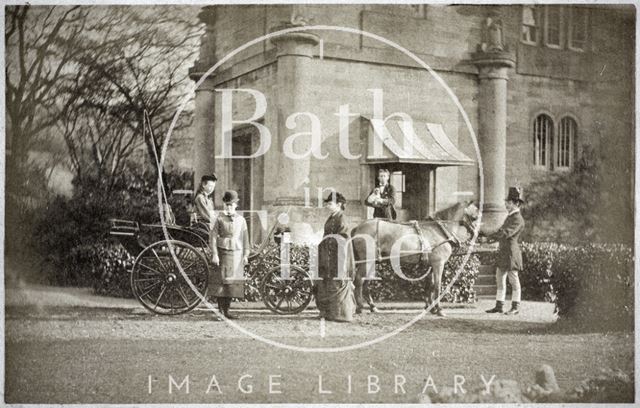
x=578, y=20
x=530, y=24
x=566, y=142
x=553, y=26
x=559, y=27
x=542, y=141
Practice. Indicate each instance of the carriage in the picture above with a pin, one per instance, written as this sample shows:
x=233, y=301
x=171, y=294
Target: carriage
x=172, y=265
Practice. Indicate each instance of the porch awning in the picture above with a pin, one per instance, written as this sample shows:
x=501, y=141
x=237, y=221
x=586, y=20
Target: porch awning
x=411, y=141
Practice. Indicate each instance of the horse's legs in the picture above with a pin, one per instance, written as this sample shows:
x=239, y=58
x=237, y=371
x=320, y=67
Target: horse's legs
x=437, y=266
x=367, y=293
x=428, y=290
x=358, y=283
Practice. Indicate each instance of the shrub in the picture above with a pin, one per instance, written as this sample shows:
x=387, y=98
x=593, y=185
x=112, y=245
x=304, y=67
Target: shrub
x=390, y=287
x=538, y=259
x=71, y=232
x=393, y=287
x=591, y=283
x=594, y=284
x=612, y=386
x=105, y=267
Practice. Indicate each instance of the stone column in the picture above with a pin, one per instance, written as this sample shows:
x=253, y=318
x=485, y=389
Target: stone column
x=204, y=137
x=294, y=76
x=493, y=66
x=294, y=52
x=203, y=120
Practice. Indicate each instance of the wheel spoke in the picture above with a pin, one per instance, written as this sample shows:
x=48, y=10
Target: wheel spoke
x=164, y=288
x=158, y=258
x=149, y=288
x=146, y=279
x=184, y=269
x=150, y=268
x=184, y=297
x=279, y=303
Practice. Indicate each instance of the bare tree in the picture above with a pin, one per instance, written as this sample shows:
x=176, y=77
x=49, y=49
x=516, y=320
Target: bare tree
x=147, y=71
x=92, y=72
x=39, y=43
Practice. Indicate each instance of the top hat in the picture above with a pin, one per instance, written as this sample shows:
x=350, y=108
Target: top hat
x=335, y=197
x=515, y=194
x=230, y=196
x=209, y=177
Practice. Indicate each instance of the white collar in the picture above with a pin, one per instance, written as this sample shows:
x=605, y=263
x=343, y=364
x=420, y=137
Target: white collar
x=513, y=212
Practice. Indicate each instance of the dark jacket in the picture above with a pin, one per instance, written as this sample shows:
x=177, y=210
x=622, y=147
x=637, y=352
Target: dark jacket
x=205, y=207
x=509, y=254
x=386, y=208
x=328, y=248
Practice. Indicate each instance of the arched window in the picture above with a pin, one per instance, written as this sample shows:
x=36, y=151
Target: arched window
x=542, y=141
x=566, y=141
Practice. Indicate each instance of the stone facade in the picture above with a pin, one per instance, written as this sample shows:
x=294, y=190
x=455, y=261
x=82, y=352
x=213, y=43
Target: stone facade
x=500, y=82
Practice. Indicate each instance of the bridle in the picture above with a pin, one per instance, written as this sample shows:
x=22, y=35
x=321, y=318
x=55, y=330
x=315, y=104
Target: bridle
x=468, y=224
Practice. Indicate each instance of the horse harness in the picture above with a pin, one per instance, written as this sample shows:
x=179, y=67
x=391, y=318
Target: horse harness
x=450, y=238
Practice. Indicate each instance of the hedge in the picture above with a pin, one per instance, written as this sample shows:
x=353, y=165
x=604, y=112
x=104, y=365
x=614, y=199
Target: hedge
x=593, y=281
x=106, y=268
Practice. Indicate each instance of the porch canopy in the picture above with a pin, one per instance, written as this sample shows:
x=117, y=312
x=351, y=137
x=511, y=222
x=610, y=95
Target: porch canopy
x=411, y=141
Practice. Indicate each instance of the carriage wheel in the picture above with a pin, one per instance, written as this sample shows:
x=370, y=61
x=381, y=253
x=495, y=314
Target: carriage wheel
x=289, y=296
x=159, y=285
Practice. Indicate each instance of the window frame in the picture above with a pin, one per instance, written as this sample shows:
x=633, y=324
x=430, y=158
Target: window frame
x=561, y=27
x=573, y=136
x=571, y=14
x=537, y=15
x=549, y=142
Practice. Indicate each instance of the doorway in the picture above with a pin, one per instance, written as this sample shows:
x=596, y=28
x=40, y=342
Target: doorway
x=247, y=178
x=415, y=188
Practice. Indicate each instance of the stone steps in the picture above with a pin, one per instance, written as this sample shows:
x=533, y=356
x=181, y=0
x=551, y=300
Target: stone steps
x=485, y=285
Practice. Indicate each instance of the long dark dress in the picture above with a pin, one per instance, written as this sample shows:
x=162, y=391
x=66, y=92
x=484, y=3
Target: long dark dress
x=334, y=297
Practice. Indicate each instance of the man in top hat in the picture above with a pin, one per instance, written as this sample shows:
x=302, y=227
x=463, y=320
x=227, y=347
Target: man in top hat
x=509, y=254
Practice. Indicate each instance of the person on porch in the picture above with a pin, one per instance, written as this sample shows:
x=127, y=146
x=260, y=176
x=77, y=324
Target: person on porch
x=382, y=197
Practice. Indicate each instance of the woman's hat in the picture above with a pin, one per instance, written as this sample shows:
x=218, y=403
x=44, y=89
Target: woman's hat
x=230, y=196
x=335, y=197
x=515, y=194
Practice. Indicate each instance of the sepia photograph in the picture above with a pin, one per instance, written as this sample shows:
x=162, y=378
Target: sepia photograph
x=306, y=203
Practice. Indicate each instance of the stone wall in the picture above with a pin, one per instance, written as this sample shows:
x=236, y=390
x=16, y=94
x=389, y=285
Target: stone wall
x=595, y=88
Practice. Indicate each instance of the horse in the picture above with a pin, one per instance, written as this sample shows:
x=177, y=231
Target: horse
x=420, y=244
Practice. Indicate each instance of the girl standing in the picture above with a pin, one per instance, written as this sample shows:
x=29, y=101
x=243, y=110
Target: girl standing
x=229, y=243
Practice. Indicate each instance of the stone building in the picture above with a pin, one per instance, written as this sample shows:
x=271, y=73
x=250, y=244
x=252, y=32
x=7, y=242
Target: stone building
x=530, y=84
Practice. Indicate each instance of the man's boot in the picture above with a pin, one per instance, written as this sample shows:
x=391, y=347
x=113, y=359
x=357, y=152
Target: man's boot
x=498, y=308
x=515, y=308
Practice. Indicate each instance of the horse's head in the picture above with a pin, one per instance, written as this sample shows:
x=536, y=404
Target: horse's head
x=465, y=214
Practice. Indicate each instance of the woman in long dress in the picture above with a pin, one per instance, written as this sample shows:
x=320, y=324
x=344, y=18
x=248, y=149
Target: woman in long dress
x=229, y=242
x=334, y=291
